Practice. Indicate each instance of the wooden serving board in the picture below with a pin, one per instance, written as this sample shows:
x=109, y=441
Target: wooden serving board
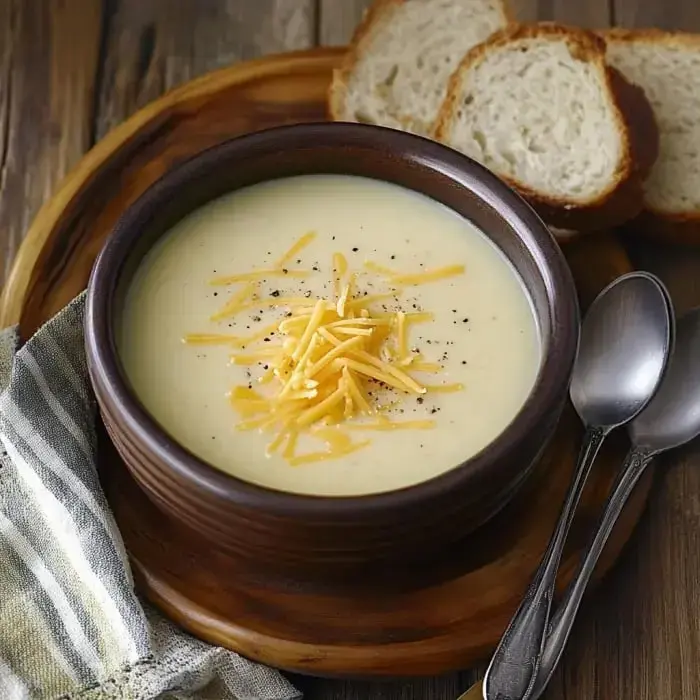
x=370, y=632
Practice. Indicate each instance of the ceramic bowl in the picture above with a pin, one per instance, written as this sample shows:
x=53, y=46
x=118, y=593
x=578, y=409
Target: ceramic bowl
x=334, y=537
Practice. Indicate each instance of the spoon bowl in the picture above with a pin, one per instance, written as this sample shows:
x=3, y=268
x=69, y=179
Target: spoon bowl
x=672, y=418
x=625, y=343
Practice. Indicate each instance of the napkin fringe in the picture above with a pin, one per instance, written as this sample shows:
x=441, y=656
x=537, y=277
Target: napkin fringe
x=114, y=686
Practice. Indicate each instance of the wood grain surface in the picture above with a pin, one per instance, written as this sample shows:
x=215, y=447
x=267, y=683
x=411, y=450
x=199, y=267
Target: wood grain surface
x=49, y=59
x=293, y=624
x=71, y=69
x=584, y=13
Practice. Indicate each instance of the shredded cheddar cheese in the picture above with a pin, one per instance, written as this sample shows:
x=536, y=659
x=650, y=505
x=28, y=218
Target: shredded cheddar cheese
x=323, y=456
x=395, y=425
x=444, y=388
x=211, y=339
x=340, y=267
x=374, y=267
x=371, y=299
x=258, y=275
x=278, y=270
x=404, y=357
x=328, y=364
x=427, y=367
x=429, y=275
x=236, y=302
x=296, y=249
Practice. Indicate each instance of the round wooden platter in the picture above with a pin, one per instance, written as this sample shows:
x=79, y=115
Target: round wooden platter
x=373, y=631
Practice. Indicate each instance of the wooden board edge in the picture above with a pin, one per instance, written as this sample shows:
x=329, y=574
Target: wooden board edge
x=363, y=662
x=14, y=293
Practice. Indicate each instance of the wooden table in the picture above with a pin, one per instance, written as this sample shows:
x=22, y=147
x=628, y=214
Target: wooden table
x=72, y=69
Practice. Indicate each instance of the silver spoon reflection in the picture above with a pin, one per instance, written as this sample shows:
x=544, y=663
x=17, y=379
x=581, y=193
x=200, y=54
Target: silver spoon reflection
x=626, y=341
x=671, y=419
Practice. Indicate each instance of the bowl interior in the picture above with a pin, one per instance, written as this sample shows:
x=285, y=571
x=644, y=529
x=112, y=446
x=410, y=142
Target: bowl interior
x=392, y=156
x=409, y=161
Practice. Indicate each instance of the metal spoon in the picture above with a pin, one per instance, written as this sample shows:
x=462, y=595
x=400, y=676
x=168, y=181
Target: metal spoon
x=671, y=419
x=626, y=341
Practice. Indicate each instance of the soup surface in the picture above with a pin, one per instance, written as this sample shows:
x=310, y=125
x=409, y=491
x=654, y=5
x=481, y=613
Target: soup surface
x=443, y=347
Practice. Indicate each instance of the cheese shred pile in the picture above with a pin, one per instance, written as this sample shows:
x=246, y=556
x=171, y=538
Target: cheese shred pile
x=327, y=362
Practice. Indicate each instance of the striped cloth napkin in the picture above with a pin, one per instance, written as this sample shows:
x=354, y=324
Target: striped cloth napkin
x=70, y=623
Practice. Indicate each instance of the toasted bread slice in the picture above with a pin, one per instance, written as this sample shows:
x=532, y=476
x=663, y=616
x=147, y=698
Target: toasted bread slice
x=401, y=58
x=667, y=66
x=539, y=106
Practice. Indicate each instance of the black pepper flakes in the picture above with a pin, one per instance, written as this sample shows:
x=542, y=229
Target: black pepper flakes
x=275, y=293
x=420, y=400
x=354, y=250
x=465, y=320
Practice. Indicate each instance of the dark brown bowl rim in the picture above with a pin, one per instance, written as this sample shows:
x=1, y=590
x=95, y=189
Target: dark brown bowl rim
x=546, y=395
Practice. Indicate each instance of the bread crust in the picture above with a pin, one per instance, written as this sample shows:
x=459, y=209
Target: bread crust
x=634, y=118
x=672, y=227
x=685, y=40
x=374, y=18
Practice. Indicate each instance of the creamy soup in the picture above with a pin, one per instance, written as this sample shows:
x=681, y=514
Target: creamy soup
x=329, y=335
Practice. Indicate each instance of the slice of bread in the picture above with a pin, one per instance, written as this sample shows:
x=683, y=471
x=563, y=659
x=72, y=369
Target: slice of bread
x=667, y=67
x=539, y=106
x=401, y=58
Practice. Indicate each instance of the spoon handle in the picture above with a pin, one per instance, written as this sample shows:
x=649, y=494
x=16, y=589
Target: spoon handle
x=635, y=463
x=513, y=668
